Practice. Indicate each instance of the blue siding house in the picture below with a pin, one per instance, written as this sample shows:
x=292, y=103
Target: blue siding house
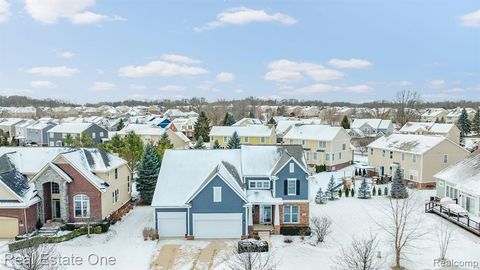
x=231, y=193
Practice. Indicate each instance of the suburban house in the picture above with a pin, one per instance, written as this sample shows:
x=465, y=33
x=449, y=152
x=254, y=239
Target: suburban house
x=450, y=131
x=21, y=130
x=462, y=181
x=371, y=127
x=323, y=145
x=59, y=184
x=7, y=127
x=37, y=133
x=58, y=134
x=158, y=121
x=454, y=114
x=186, y=126
x=248, y=122
x=232, y=193
x=176, y=113
x=419, y=156
x=254, y=134
x=152, y=134
x=434, y=115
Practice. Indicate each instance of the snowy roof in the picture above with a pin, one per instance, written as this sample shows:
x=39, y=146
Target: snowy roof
x=417, y=144
x=242, y=131
x=458, y=111
x=182, y=136
x=262, y=196
x=374, y=123
x=40, y=125
x=313, y=132
x=30, y=160
x=142, y=129
x=432, y=127
x=81, y=161
x=284, y=125
x=433, y=112
x=70, y=128
x=261, y=160
x=465, y=174
x=10, y=121
x=248, y=122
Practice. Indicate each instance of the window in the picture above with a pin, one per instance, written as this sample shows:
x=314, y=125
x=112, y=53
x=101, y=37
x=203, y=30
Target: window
x=116, y=173
x=333, y=157
x=115, y=196
x=82, y=206
x=291, y=141
x=64, y=135
x=94, y=135
x=445, y=158
x=371, y=151
x=225, y=139
x=322, y=144
x=327, y=157
x=262, y=139
x=292, y=187
x=339, y=155
x=383, y=153
x=308, y=155
x=245, y=139
x=51, y=135
x=101, y=134
x=403, y=156
x=414, y=158
x=292, y=167
x=217, y=194
x=55, y=188
x=303, y=142
x=290, y=214
x=391, y=154
x=344, y=147
x=259, y=184
x=315, y=155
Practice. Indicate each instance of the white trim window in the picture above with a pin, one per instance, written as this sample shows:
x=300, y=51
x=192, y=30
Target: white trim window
x=303, y=142
x=327, y=157
x=217, y=194
x=225, y=139
x=445, y=158
x=55, y=188
x=262, y=139
x=292, y=167
x=322, y=144
x=315, y=155
x=52, y=135
x=94, y=135
x=245, y=139
x=383, y=153
x=340, y=156
x=344, y=146
x=291, y=186
x=101, y=134
x=371, y=151
x=291, y=214
x=414, y=158
x=81, y=206
x=403, y=156
x=259, y=184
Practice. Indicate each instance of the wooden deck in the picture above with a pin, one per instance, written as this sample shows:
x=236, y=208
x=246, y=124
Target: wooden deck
x=460, y=220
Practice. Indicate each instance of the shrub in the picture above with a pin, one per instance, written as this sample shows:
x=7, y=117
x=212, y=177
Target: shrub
x=287, y=239
x=297, y=230
x=39, y=224
x=97, y=229
x=379, y=192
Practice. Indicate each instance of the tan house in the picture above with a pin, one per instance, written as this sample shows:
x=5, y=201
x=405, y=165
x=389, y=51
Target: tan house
x=419, y=156
x=323, y=145
x=185, y=125
x=434, y=115
x=253, y=134
x=152, y=134
x=450, y=131
x=454, y=114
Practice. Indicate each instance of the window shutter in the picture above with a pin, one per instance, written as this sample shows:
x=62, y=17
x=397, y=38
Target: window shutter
x=285, y=187
x=298, y=187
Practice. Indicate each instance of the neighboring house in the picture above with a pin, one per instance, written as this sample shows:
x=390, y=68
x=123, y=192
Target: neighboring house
x=310, y=111
x=450, y=131
x=152, y=134
x=231, y=193
x=454, y=114
x=57, y=134
x=419, y=156
x=323, y=145
x=248, y=122
x=7, y=126
x=37, y=133
x=176, y=113
x=462, y=181
x=159, y=121
x=59, y=184
x=186, y=126
x=255, y=134
x=371, y=127
x=285, y=124
x=434, y=115
x=21, y=130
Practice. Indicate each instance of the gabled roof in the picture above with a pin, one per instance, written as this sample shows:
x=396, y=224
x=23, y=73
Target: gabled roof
x=248, y=122
x=411, y=127
x=374, y=123
x=242, y=131
x=17, y=184
x=417, y=144
x=465, y=174
x=142, y=129
x=265, y=160
x=70, y=128
x=313, y=132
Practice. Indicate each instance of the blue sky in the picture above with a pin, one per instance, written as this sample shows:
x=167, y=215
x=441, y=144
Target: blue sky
x=87, y=50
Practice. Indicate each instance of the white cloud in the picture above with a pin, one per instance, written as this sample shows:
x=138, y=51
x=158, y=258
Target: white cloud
x=442, y=97
x=100, y=71
x=50, y=11
x=160, y=68
x=172, y=88
x=14, y=92
x=321, y=88
x=454, y=90
x=238, y=91
x=436, y=83
x=4, y=10
x=137, y=86
x=60, y=71
x=179, y=59
x=471, y=19
x=42, y=84
x=290, y=71
x=242, y=16
x=102, y=86
x=361, y=89
x=352, y=63
x=66, y=54
x=225, y=77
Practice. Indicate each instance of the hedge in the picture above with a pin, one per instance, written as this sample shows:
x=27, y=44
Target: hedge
x=297, y=230
x=37, y=240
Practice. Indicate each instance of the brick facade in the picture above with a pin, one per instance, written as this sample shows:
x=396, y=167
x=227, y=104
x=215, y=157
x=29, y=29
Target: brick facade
x=304, y=214
x=30, y=213
x=337, y=166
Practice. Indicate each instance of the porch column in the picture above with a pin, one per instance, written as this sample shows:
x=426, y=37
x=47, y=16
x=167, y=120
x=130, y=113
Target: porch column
x=276, y=220
x=250, y=216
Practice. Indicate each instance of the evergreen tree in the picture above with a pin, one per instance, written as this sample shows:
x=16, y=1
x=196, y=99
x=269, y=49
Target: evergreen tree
x=234, y=142
x=199, y=144
x=132, y=150
x=364, y=172
x=202, y=127
x=330, y=187
x=86, y=140
x=346, y=190
x=115, y=145
x=216, y=145
x=68, y=141
x=374, y=191
x=476, y=122
x=148, y=173
x=272, y=121
x=345, y=122
x=163, y=144
x=339, y=192
x=464, y=123
x=379, y=192
x=228, y=120
x=352, y=192
x=385, y=191
x=320, y=197
x=363, y=191
x=120, y=124
x=251, y=115
x=398, y=189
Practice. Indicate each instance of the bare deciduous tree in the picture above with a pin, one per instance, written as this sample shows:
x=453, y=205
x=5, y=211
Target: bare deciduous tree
x=251, y=260
x=320, y=228
x=360, y=255
x=401, y=223
x=34, y=257
x=406, y=105
x=444, y=232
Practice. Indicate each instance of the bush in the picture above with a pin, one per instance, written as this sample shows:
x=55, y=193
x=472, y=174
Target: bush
x=39, y=224
x=320, y=168
x=105, y=225
x=287, y=239
x=97, y=229
x=252, y=246
x=297, y=230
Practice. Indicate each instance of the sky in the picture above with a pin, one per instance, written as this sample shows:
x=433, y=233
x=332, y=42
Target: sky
x=354, y=51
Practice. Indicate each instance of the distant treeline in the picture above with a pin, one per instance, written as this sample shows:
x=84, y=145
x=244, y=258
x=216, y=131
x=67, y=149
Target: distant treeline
x=22, y=101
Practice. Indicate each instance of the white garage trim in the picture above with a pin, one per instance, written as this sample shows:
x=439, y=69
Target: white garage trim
x=9, y=227
x=171, y=224
x=228, y=225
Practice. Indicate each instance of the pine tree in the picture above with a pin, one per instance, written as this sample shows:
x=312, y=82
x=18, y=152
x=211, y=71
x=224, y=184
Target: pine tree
x=202, y=127
x=132, y=150
x=148, y=173
x=86, y=140
x=374, y=191
x=364, y=172
x=345, y=122
x=120, y=124
x=379, y=192
x=464, y=123
x=216, y=145
x=228, y=120
x=398, y=189
x=339, y=192
x=352, y=192
x=116, y=144
x=68, y=141
x=272, y=121
x=199, y=144
x=385, y=191
x=163, y=144
x=363, y=192
x=476, y=122
x=330, y=187
x=320, y=197
x=346, y=190
x=234, y=142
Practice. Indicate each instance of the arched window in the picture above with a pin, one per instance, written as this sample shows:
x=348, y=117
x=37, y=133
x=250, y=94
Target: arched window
x=82, y=206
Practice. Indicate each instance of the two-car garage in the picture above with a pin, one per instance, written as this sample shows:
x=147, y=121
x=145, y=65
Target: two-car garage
x=9, y=227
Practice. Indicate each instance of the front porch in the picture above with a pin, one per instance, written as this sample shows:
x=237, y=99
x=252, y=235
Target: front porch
x=263, y=218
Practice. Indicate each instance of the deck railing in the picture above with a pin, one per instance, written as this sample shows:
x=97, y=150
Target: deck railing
x=461, y=220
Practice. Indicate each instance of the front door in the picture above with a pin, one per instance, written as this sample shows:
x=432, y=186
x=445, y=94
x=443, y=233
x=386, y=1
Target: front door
x=266, y=214
x=55, y=209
